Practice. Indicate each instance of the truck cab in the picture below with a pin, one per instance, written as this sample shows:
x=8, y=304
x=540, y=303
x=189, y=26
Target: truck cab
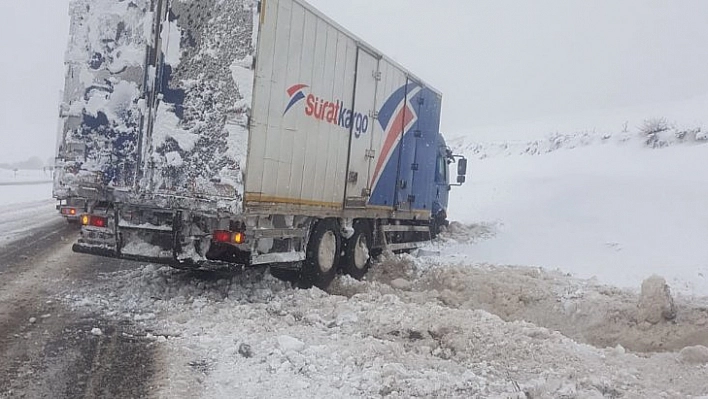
x=443, y=184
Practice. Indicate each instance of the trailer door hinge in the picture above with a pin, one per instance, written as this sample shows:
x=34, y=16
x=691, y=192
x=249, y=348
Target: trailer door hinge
x=415, y=166
x=418, y=134
x=371, y=154
x=377, y=75
x=374, y=115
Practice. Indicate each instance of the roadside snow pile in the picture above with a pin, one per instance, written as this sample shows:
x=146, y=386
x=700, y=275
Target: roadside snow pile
x=454, y=331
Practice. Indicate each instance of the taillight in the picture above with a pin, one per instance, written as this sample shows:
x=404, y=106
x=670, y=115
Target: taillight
x=228, y=237
x=95, y=221
x=69, y=211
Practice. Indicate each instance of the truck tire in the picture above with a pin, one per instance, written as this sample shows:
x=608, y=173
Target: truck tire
x=322, y=257
x=356, y=260
x=437, y=222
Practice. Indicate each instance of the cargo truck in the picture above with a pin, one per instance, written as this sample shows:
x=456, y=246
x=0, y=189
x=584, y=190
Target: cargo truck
x=241, y=132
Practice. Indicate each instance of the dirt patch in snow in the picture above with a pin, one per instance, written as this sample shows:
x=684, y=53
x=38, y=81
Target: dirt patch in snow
x=650, y=319
x=603, y=316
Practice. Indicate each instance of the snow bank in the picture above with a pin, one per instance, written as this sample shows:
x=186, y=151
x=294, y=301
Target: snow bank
x=454, y=331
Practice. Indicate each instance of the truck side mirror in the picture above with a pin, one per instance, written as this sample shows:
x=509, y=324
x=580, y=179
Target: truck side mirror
x=461, y=179
x=461, y=168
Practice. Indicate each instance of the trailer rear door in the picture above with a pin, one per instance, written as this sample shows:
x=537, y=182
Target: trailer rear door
x=195, y=141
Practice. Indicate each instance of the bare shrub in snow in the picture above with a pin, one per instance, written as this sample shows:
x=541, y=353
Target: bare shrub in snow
x=653, y=126
x=651, y=130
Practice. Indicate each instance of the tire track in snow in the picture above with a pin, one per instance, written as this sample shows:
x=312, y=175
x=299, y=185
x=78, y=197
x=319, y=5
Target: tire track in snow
x=50, y=350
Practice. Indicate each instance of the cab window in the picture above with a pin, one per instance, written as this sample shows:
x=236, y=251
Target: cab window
x=441, y=170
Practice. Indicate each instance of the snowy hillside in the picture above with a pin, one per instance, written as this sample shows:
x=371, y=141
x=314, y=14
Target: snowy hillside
x=619, y=208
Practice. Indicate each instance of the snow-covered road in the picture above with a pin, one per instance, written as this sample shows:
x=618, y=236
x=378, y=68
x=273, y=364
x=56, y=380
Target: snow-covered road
x=17, y=220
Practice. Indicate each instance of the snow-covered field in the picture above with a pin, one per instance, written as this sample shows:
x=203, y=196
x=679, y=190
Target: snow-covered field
x=616, y=211
x=24, y=207
x=500, y=307
x=8, y=176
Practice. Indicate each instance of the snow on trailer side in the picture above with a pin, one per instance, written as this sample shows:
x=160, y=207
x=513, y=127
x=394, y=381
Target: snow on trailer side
x=196, y=140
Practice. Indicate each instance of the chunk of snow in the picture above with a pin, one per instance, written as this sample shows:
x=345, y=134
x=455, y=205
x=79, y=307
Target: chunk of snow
x=288, y=344
x=401, y=284
x=656, y=303
x=694, y=355
x=171, y=36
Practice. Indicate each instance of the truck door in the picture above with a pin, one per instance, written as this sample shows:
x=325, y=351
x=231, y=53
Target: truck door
x=362, y=129
x=423, y=141
x=407, y=166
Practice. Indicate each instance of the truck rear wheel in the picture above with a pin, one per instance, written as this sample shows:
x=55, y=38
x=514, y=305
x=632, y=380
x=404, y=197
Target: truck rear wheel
x=320, y=266
x=357, y=251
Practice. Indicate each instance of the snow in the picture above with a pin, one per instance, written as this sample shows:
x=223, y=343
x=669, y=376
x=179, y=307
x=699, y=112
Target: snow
x=570, y=271
x=25, y=207
x=618, y=212
x=459, y=332
x=10, y=177
x=26, y=193
x=690, y=113
x=171, y=36
x=167, y=125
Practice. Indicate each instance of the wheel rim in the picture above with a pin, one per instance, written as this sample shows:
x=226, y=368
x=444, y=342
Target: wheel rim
x=361, y=253
x=327, y=252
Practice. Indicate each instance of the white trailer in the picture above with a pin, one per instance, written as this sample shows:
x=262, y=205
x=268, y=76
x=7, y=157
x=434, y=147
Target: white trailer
x=245, y=133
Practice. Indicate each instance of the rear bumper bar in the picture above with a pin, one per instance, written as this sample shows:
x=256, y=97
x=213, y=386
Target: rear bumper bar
x=186, y=264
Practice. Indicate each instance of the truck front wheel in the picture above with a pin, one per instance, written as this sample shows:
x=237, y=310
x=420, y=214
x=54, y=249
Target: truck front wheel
x=357, y=251
x=320, y=266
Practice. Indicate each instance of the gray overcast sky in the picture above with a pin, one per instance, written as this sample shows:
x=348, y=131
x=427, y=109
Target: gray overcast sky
x=495, y=61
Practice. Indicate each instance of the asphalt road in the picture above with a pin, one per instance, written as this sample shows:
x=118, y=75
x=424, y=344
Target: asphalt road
x=50, y=351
